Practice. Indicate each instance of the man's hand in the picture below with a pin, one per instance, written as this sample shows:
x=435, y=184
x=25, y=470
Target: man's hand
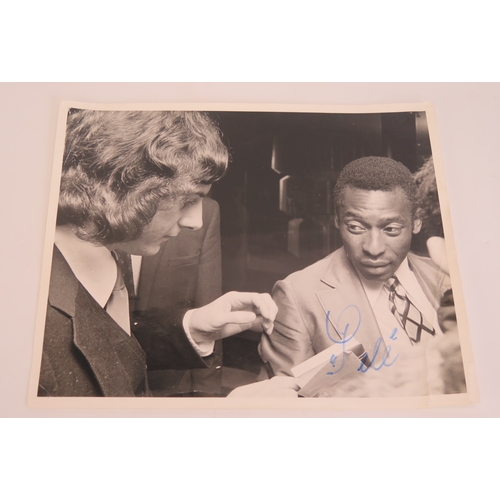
x=232, y=313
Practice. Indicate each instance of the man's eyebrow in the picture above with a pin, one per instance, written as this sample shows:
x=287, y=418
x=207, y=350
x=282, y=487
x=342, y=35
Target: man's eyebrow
x=396, y=218
x=353, y=215
x=384, y=220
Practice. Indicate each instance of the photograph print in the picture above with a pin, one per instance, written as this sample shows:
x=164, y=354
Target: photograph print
x=270, y=255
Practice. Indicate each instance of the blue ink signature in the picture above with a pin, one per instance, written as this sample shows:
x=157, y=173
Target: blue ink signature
x=346, y=336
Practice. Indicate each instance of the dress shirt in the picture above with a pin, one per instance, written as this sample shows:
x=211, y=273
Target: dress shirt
x=95, y=268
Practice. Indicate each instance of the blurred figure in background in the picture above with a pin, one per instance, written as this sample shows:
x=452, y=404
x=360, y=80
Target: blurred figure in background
x=448, y=360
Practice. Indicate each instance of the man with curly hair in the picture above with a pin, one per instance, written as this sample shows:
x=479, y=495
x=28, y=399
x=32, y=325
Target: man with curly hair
x=131, y=180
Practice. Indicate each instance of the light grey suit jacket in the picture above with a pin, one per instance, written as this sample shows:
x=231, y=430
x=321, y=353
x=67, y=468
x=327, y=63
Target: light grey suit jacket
x=326, y=302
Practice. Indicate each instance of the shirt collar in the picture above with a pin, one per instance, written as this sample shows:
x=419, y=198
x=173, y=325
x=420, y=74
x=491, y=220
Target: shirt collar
x=405, y=275
x=373, y=288
x=93, y=265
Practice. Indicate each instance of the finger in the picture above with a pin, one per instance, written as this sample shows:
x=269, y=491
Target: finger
x=233, y=329
x=262, y=326
x=268, y=310
x=234, y=318
x=239, y=300
x=262, y=302
x=266, y=307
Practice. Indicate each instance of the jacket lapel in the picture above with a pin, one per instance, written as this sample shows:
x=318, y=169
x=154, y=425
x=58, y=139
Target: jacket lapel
x=96, y=335
x=100, y=339
x=433, y=281
x=346, y=306
x=63, y=286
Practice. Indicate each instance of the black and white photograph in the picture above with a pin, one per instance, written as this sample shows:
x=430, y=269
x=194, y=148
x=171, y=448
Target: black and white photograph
x=249, y=249
x=250, y=256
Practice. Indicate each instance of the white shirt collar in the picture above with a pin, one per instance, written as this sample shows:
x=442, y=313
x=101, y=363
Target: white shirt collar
x=93, y=265
x=373, y=288
x=405, y=275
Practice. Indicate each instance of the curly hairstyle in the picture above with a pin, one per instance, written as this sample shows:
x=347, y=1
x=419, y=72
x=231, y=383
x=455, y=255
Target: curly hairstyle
x=428, y=200
x=119, y=165
x=374, y=173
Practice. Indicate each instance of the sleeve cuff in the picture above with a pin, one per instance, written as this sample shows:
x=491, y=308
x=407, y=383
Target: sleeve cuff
x=202, y=348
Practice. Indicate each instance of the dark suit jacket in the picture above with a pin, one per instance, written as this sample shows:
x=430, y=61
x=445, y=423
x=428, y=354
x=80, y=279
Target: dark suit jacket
x=86, y=353
x=185, y=274
x=330, y=286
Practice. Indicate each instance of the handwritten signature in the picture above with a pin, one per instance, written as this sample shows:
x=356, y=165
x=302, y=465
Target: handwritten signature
x=347, y=333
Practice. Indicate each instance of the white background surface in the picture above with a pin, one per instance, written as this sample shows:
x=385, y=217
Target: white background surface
x=262, y=41
x=467, y=116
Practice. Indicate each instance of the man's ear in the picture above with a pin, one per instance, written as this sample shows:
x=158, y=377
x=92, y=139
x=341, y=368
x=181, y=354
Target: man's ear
x=336, y=219
x=417, y=225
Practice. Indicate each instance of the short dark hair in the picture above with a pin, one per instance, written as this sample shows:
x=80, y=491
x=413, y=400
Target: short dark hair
x=428, y=200
x=119, y=165
x=375, y=173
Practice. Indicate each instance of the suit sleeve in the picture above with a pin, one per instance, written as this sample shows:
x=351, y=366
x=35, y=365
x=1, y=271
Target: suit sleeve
x=164, y=341
x=290, y=342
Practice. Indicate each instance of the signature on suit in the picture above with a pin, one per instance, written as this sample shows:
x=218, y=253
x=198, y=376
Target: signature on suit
x=348, y=324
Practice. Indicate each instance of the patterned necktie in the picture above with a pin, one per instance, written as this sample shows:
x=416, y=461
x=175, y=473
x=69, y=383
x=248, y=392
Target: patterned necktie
x=408, y=315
